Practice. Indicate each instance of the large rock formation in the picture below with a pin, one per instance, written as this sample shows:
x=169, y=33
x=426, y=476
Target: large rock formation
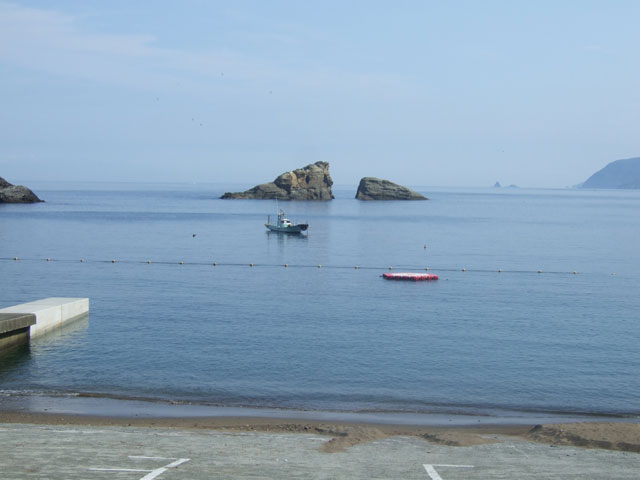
x=10, y=193
x=312, y=182
x=372, y=188
x=618, y=174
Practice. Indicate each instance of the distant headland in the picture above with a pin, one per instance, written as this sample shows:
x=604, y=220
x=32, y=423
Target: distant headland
x=10, y=193
x=623, y=173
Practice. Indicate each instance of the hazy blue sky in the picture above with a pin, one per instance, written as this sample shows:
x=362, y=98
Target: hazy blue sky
x=419, y=92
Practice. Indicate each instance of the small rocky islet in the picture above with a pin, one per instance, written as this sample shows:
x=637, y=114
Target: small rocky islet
x=10, y=193
x=371, y=188
x=314, y=182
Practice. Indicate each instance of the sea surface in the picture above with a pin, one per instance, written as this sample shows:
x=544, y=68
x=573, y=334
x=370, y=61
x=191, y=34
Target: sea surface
x=321, y=334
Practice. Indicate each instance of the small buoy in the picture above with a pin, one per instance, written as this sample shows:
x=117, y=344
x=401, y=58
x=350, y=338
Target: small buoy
x=251, y=264
x=48, y=259
x=214, y=264
x=181, y=262
x=425, y=246
x=575, y=273
x=464, y=269
x=15, y=258
x=194, y=234
x=356, y=267
x=148, y=261
x=539, y=271
x=113, y=261
x=286, y=265
x=499, y=270
x=390, y=268
x=81, y=260
x=319, y=265
x=427, y=269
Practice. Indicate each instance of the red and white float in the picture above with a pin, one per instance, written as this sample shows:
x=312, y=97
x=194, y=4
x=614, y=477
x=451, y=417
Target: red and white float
x=414, y=277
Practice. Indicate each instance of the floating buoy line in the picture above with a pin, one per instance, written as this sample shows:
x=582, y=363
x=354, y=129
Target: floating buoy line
x=316, y=266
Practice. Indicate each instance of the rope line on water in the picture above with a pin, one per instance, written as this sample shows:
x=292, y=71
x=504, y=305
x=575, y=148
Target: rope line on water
x=290, y=265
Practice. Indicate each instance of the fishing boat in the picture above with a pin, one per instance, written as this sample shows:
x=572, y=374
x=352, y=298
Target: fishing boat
x=283, y=224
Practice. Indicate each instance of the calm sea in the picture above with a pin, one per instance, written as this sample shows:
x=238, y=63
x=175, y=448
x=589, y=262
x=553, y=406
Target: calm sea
x=332, y=337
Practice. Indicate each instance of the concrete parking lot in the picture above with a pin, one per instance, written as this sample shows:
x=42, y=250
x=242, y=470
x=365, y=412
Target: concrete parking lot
x=134, y=453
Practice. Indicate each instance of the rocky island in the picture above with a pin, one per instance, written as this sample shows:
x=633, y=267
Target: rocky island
x=372, y=188
x=312, y=182
x=617, y=174
x=10, y=193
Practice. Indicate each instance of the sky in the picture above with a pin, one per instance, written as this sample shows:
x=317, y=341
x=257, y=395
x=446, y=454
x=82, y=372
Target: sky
x=433, y=93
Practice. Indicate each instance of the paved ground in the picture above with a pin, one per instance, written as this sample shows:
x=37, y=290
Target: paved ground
x=131, y=453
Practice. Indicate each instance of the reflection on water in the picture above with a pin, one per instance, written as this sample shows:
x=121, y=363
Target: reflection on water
x=70, y=331
x=284, y=238
x=14, y=357
x=17, y=359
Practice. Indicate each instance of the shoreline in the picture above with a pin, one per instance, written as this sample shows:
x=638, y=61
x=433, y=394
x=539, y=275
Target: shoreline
x=345, y=429
x=101, y=405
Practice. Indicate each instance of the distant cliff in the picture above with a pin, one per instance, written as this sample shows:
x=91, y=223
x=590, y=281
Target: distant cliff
x=618, y=174
x=372, y=188
x=10, y=193
x=312, y=182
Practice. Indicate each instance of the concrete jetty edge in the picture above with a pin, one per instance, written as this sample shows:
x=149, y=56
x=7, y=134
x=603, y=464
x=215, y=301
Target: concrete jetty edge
x=21, y=322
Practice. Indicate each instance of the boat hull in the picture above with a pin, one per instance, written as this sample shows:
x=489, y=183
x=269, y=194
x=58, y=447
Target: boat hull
x=288, y=229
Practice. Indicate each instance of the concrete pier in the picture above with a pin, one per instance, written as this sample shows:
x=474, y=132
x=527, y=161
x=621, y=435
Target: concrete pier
x=31, y=319
x=14, y=328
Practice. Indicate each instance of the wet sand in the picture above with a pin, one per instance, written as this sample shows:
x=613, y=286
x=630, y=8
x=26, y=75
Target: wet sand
x=622, y=436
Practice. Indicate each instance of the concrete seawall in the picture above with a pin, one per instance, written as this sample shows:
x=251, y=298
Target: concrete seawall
x=22, y=322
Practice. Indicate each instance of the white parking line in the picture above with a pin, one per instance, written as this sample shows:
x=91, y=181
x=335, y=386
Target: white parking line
x=150, y=474
x=141, y=457
x=97, y=469
x=154, y=474
x=431, y=471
